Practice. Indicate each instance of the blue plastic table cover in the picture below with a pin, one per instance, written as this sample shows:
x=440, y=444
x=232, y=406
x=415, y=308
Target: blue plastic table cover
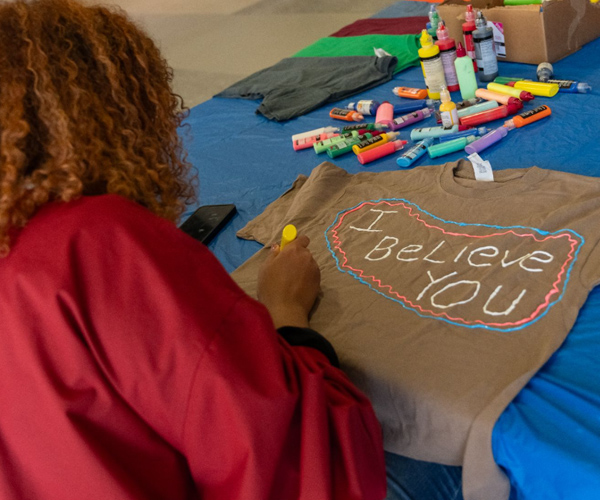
x=548, y=438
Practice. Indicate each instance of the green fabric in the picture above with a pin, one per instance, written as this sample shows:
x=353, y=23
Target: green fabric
x=404, y=47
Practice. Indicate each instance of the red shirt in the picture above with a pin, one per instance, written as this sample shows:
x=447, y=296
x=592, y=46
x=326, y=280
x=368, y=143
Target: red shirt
x=133, y=367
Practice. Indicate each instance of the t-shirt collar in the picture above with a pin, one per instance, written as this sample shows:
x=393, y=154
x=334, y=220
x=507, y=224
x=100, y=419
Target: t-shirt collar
x=458, y=178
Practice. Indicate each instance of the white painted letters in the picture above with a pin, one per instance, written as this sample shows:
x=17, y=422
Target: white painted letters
x=452, y=285
x=409, y=249
x=370, y=228
x=510, y=308
x=433, y=282
x=481, y=251
x=381, y=246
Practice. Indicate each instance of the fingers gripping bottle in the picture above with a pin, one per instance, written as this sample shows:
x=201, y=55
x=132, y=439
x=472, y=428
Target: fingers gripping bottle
x=431, y=64
x=485, y=52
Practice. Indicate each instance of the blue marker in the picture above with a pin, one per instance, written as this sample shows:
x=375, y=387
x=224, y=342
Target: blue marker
x=413, y=106
x=572, y=86
x=414, y=153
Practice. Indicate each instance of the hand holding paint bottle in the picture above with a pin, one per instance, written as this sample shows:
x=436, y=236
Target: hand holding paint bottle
x=289, y=282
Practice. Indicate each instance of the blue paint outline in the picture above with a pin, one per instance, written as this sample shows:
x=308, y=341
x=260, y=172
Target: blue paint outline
x=462, y=224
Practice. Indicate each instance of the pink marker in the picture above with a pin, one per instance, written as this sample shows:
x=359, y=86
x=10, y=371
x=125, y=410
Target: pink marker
x=307, y=142
x=380, y=151
x=410, y=118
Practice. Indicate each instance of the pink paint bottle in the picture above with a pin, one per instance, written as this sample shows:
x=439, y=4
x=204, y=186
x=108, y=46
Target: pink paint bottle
x=385, y=114
x=307, y=142
x=380, y=151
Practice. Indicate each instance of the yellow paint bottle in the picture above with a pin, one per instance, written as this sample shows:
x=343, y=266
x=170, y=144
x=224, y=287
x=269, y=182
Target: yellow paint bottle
x=448, y=112
x=288, y=235
x=431, y=64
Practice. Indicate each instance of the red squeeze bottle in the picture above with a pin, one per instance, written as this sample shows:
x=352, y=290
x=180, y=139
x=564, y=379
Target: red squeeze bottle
x=468, y=27
x=447, y=47
x=501, y=111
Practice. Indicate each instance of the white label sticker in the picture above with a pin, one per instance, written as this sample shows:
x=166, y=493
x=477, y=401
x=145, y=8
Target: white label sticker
x=483, y=169
x=498, y=30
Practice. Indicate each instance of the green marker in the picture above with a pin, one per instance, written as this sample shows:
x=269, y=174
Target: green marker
x=445, y=148
x=322, y=146
x=503, y=80
x=343, y=147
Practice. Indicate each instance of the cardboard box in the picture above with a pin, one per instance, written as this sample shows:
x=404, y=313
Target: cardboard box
x=532, y=33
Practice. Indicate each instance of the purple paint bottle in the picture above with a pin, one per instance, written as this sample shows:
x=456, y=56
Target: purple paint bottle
x=487, y=140
x=410, y=118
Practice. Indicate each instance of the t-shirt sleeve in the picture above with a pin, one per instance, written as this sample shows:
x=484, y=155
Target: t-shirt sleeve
x=202, y=364
x=279, y=421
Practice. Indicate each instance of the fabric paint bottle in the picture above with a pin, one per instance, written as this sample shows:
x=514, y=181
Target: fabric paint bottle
x=485, y=52
x=308, y=142
x=385, y=114
x=448, y=53
x=373, y=142
x=447, y=110
x=494, y=96
x=544, y=71
x=416, y=134
x=366, y=107
x=480, y=131
x=446, y=148
x=501, y=111
x=434, y=20
x=317, y=131
x=413, y=106
x=536, y=88
x=465, y=73
x=345, y=146
x=410, y=118
x=414, y=153
x=572, y=86
x=322, y=145
x=431, y=64
x=467, y=28
x=345, y=114
x=507, y=89
x=467, y=103
x=478, y=108
x=410, y=92
x=533, y=115
x=380, y=151
x=487, y=140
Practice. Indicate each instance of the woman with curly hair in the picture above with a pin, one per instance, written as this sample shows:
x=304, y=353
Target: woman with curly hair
x=131, y=365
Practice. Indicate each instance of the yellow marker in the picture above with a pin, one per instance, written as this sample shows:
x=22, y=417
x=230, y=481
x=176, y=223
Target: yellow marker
x=538, y=88
x=288, y=235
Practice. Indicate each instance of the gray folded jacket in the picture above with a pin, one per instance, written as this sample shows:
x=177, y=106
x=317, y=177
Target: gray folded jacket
x=298, y=85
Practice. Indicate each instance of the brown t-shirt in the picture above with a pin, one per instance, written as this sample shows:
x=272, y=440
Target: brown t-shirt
x=443, y=295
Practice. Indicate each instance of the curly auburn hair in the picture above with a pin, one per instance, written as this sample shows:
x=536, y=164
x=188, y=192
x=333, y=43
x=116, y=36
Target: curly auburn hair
x=86, y=108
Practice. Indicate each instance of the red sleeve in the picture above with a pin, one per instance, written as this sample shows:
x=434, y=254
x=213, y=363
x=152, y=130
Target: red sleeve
x=280, y=421
x=202, y=364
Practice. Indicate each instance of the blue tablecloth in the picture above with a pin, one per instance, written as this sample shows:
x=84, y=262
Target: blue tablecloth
x=548, y=439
